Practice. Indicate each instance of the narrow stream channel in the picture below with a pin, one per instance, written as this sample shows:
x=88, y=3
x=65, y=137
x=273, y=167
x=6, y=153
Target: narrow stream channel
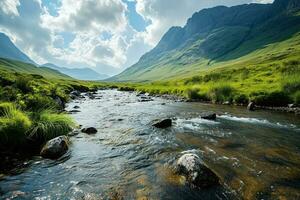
x=256, y=154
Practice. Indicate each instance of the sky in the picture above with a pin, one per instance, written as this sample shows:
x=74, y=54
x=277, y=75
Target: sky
x=105, y=35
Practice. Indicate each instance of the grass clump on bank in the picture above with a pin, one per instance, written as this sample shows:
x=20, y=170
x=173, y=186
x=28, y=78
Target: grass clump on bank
x=14, y=125
x=19, y=128
x=48, y=125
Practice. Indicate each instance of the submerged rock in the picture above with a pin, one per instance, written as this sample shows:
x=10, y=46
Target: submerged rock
x=196, y=172
x=55, y=148
x=90, y=130
x=209, y=116
x=165, y=123
x=251, y=106
x=76, y=107
x=73, y=133
x=73, y=111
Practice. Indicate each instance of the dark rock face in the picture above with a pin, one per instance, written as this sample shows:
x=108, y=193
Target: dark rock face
x=60, y=102
x=165, y=123
x=90, y=130
x=251, y=106
x=55, y=148
x=209, y=116
x=196, y=172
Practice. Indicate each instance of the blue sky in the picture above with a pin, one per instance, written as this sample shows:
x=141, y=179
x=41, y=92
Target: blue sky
x=106, y=35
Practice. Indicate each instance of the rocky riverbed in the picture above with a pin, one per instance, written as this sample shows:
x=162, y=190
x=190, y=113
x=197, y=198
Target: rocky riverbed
x=134, y=146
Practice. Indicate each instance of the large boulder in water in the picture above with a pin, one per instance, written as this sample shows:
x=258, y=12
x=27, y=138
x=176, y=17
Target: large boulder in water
x=209, y=116
x=55, y=148
x=90, y=130
x=165, y=123
x=196, y=172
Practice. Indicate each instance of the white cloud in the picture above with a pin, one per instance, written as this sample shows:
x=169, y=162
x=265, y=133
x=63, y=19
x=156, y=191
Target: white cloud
x=39, y=34
x=89, y=20
x=9, y=7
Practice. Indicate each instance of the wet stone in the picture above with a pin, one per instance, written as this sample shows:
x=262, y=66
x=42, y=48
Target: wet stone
x=55, y=148
x=196, y=172
x=90, y=130
x=165, y=123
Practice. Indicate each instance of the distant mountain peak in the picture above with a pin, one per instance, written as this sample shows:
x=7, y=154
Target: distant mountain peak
x=10, y=51
x=78, y=73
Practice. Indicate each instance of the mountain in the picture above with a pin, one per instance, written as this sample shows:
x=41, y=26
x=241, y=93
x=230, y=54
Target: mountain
x=21, y=67
x=217, y=37
x=78, y=73
x=10, y=51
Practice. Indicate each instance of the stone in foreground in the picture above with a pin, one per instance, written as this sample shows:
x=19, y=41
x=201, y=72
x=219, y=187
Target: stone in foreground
x=196, y=172
x=209, y=116
x=55, y=148
x=165, y=123
x=90, y=130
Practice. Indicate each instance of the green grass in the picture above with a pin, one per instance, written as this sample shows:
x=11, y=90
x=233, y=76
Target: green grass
x=270, y=83
x=48, y=125
x=29, y=108
x=14, y=125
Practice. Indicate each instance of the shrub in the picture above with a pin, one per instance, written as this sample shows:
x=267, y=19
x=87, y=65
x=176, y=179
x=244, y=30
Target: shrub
x=241, y=99
x=297, y=98
x=37, y=102
x=292, y=85
x=221, y=93
x=277, y=98
x=193, y=80
x=14, y=124
x=48, y=125
x=195, y=94
x=23, y=84
x=9, y=93
x=126, y=88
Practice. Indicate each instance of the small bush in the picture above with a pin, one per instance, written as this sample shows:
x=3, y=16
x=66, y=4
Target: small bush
x=297, y=98
x=275, y=99
x=292, y=85
x=48, y=125
x=23, y=84
x=126, y=89
x=241, y=99
x=192, y=93
x=221, y=93
x=38, y=102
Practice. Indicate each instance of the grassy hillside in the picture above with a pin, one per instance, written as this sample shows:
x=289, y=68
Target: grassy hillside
x=21, y=67
x=269, y=76
x=236, y=59
x=221, y=36
x=31, y=105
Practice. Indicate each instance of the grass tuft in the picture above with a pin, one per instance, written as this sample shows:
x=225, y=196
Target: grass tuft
x=48, y=125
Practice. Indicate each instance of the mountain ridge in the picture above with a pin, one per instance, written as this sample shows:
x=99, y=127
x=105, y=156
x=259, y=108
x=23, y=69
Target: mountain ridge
x=78, y=73
x=9, y=50
x=216, y=34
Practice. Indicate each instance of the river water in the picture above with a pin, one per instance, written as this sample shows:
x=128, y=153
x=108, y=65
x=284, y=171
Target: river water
x=256, y=154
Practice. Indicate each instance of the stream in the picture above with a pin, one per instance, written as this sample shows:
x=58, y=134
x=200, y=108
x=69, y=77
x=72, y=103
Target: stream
x=256, y=154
